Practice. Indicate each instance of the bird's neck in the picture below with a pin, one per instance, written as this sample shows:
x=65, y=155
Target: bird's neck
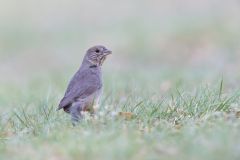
x=93, y=66
x=86, y=64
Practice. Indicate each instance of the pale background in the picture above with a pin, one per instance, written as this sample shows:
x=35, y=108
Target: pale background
x=41, y=37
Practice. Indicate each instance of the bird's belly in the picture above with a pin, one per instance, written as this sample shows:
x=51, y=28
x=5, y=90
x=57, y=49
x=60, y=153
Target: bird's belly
x=92, y=102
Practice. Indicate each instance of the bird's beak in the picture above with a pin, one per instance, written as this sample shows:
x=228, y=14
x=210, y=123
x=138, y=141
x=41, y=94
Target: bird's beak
x=107, y=52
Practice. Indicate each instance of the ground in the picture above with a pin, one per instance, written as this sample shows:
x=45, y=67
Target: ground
x=174, y=67
x=171, y=121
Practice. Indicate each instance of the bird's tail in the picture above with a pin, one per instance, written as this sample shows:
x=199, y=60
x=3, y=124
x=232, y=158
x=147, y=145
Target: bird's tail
x=58, y=108
x=66, y=109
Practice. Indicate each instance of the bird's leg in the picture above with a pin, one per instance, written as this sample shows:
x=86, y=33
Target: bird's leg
x=94, y=107
x=75, y=111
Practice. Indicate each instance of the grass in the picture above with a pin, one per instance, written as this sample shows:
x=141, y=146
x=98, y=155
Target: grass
x=175, y=67
x=201, y=123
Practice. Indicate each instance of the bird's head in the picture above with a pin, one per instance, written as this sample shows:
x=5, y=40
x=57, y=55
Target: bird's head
x=96, y=55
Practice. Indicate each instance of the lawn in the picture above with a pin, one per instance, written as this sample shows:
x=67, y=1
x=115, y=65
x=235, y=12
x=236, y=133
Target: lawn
x=171, y=121
x=174, y=67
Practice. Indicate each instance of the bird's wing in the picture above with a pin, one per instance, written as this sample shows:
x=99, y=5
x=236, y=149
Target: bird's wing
x=81, y=86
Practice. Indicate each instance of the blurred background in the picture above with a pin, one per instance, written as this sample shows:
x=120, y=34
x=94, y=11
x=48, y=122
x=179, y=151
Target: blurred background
x=169, y=59
x=46, y=40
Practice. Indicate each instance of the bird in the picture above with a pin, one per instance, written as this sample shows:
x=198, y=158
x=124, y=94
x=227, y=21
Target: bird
x=85, y=87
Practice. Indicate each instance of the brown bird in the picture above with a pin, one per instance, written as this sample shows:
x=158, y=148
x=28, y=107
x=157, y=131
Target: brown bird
x=85, y=88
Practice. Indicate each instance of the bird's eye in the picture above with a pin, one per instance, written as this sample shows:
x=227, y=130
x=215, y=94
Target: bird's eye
x=97, y=50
